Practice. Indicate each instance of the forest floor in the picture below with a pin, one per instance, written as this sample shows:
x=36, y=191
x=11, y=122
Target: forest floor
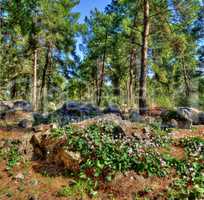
x=39, y=180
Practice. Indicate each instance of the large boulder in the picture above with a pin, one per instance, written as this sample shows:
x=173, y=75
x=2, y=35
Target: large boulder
x=73, y=112
x=14, y=110
x=182, y=117
x=201, y=118
x=55, y=151
x=39, y=118
x=5, y=106
x=16, y=115
x=25, y=123
x=190, y=114
x=121, y=128
x=2, y=115
x=22, y=105
x=89, y=110
x=79, y=109
x=135, y=116
x=114, y=109
x=71, y=108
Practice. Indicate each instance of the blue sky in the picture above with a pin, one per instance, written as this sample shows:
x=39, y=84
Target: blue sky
x=85, y=6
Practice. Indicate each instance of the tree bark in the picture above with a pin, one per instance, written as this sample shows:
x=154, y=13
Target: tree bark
x=27, y=88
x=43, y=91
x=186, y=79
x=144, y=56
x=132, y=65
x=34, y=95
x=101, y=72
x=116, y=85
x=14, y=89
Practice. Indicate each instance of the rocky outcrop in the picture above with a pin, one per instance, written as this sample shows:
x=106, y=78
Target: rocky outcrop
x=122, y=128
x=201, y=118
x=114, y=109
x=135, y=116
x=19, y=105
x=16, y=113
x=73, y=112
x=16, y=116
x=182, y=117
x=54, y=151
x=25, y=123
x=190, y=114
x=5, y=106
x=22, y=105
x=39, y=118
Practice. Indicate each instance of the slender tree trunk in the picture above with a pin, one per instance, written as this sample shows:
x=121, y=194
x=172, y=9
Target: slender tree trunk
x=186, y=79
x=101, y=72
x=132, y=71
x=14, y=89
x=116, y=86
x=100, y=82
x=130, y=81
x=144, y=55
x=43, y=91
x=27, y=88
x=97, y=82
x=34, y=95
x=132, y=65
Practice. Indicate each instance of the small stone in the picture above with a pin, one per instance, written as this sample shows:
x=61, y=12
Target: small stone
x=53, y=125
x=19, y=176
x=38, y=128
x=135, y=116
x=113, y=109
x=34, y=182
x=25, y=123
x=145, y=130
x=136, y=135
x=32, y=197
x=71, y=182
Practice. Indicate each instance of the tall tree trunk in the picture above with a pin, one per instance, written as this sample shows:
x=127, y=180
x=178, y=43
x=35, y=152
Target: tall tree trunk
x=186, y=79
x=14, y=89
x=97, y=81
x=101, y=72
x=144, y=55
x=132, y=72
x=132, y=65
x=116, y=85
x=27, y=88
x=100, y=81
x=43, y=90
x=34, y=95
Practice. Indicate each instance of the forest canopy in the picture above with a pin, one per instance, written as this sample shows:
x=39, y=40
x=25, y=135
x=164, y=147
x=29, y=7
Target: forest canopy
x=135, y=53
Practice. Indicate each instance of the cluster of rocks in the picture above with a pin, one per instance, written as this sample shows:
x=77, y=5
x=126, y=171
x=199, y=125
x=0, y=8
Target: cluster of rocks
x=75, y=112
x=54, y=150
x=20, y=111
x=21, y=105
x=72, y=112
x=182, y=117
x=82, y=115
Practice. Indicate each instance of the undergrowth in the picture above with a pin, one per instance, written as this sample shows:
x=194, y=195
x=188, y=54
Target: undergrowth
x=104, y=155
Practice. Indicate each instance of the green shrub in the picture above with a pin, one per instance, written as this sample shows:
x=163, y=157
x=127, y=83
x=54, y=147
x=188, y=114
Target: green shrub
x=104, y=155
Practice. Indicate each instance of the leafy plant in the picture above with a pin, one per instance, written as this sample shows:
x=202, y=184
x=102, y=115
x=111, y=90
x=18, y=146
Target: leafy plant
x=104, y=154
x=80, y=189
x=194, y=147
